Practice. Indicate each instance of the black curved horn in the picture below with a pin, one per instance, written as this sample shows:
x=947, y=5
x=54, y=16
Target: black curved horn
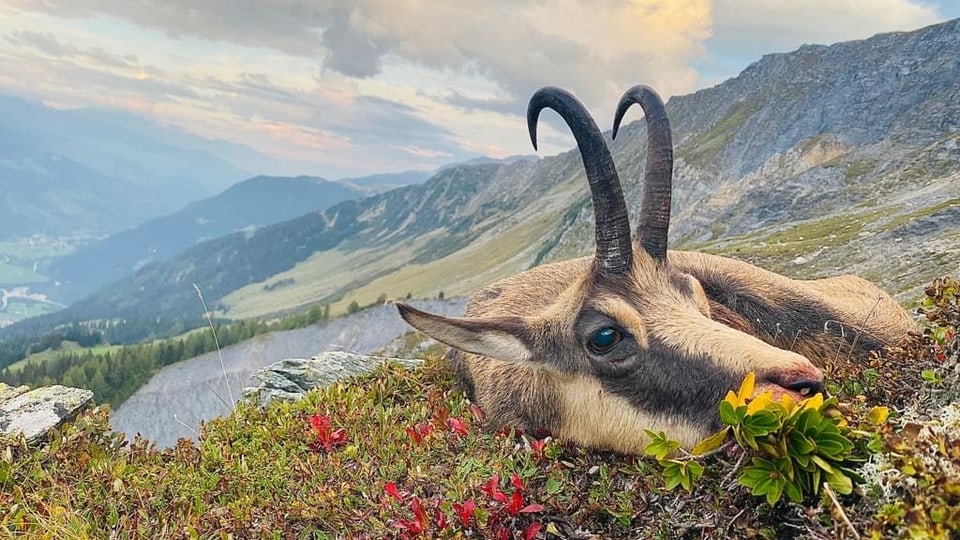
x=658, y=174
x=614, y=248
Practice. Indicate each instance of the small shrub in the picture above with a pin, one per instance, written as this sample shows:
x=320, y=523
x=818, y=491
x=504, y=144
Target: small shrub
x=941, y=307
x=796, y=447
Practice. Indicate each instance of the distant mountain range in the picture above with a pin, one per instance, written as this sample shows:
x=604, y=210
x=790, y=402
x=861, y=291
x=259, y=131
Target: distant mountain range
x=245, y=206
x=91, y=171
x=378, y=183
x=486, y=160
x=828, y=159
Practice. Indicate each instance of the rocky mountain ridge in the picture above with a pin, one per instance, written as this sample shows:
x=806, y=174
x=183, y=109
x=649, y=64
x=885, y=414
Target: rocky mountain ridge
x=828, y=159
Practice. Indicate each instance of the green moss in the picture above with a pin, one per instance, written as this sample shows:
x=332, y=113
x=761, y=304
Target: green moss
x=705, y=147
x=859, y=167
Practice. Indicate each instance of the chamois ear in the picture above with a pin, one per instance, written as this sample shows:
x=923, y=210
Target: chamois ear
x=502, y=338
x=691, y=287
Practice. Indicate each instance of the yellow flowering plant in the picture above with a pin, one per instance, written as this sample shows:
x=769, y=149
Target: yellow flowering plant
x=796, y=446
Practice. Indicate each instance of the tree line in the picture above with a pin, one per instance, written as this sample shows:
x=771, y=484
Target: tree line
x=115, y=375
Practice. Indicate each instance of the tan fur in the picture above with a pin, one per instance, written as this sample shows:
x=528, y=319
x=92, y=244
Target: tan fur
x=575, y=407
x=598, y=355
x=669, y=301
x=600, y=420
x=861, y=307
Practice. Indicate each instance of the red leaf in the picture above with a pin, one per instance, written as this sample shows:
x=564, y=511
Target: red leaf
x=492, y=489
x=532, y=508
x=465, y=511
x=516, y=503
x=326, y=438
x=517, y=482
x=410, y=526
x=537, y=446
x=502, y=534
x=419, y=513
x=319, y=423
x=457, y=426
x=391, y=489
x=414, y=434
x=440, y=519
x=532, y=530
x=420, y=431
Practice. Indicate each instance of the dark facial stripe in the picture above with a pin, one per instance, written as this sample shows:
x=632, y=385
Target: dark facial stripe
x=672, y=384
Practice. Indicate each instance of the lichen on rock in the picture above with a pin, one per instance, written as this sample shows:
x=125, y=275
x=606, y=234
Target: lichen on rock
x=291, y=378
x=33, y=413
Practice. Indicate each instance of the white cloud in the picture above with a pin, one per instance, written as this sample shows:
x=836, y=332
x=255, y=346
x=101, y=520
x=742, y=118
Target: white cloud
x=755, y=27
x=364, y=86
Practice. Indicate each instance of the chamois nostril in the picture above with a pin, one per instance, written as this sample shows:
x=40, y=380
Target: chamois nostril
x=806, y=387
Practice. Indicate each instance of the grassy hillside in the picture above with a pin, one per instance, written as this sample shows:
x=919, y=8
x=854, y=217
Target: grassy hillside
x=362, y=275
x=401, y=454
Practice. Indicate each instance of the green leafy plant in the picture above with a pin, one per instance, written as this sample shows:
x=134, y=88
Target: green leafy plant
x=796, y=446
x=941, y=306
x=676, y=472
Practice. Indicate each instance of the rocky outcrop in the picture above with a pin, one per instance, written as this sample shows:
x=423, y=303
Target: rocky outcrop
x=291, y=378
x=33, y=413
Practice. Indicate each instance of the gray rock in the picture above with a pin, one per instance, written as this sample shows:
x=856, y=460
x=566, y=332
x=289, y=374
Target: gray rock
x=291, y=378
x=34, y=413
x=9, y=392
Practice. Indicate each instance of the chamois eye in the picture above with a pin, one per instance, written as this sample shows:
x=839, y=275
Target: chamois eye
x=604, y=339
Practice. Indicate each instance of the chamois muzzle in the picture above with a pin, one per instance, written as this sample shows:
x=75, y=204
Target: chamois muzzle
x=614, y=247
x=805, y=384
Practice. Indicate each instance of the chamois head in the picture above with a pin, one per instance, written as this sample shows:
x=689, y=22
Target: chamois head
x=597, y=350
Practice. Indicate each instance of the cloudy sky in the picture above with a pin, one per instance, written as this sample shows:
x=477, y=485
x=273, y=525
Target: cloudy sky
x=340, y=88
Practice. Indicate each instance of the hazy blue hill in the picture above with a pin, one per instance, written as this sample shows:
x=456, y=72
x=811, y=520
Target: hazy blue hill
x=45, y=193
x=168, y=166
x=256, y=202
x=227, y=263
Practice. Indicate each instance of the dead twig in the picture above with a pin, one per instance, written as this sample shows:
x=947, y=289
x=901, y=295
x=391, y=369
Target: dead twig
x=843, y=515
x=216, y=341
x=733, y=471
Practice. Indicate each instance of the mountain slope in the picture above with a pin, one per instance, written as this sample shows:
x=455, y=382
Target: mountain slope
x=152, y=169
x=815, y=162
x=252, y=203
x=44, y=194
x=385, y=221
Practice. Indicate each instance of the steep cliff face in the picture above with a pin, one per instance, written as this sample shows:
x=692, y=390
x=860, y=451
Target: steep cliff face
x=835, y=119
